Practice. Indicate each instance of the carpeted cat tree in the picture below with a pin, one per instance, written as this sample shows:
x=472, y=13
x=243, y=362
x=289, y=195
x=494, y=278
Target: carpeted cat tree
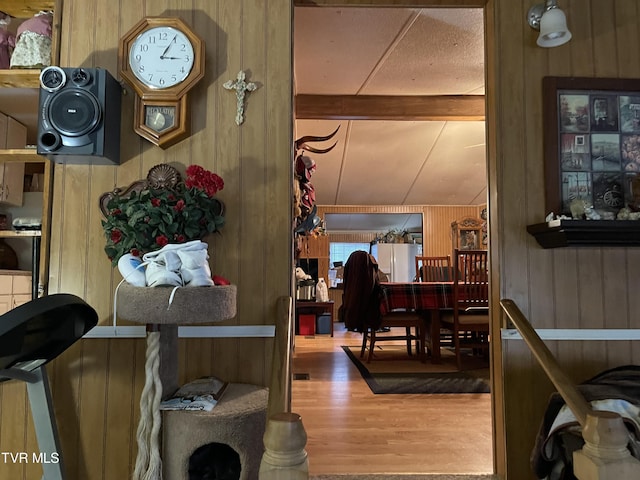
x=239, y=418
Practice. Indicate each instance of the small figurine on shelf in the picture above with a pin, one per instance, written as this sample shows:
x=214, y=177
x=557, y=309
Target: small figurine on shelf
x=7, y=41
x=33, y=42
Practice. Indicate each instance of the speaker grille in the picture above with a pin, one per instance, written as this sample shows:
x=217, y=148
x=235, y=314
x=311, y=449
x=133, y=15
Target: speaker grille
x=74, y=112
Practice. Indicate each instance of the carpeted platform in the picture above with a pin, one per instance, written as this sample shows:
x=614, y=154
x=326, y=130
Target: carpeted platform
x=392, y=371
x=188, y=305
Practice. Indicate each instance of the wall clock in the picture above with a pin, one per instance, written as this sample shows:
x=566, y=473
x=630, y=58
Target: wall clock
x=162, y=59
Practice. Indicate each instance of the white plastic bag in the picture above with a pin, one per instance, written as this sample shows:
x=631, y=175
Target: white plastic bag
x=322, y=291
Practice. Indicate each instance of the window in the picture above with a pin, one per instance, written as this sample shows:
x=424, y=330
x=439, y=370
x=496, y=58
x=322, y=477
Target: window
x=340, y=251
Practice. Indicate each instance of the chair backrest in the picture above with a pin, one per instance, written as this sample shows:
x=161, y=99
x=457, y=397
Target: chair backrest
x=433, y=269
x=360, y=297
x=471, y=278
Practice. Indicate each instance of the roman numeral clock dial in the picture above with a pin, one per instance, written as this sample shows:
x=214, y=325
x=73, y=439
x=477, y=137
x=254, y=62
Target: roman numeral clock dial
x=162, y=59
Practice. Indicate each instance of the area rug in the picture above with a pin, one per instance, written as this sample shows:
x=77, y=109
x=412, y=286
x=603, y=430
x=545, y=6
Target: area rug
x=392, y=371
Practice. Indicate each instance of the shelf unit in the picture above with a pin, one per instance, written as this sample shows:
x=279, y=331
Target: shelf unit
x=317, y=248
x=28, y=81
x=586, y=233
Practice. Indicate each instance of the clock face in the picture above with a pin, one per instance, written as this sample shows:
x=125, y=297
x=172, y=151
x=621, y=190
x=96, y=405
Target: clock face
x=161, y=57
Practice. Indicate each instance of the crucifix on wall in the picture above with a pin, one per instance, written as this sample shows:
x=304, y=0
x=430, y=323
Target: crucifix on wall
x=240, y=86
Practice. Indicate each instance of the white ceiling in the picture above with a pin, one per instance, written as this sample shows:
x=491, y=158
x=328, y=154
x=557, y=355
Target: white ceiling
x=393, y=51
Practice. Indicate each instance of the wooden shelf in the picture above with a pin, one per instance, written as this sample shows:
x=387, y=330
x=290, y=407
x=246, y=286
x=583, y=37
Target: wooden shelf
x=27, y=155
x=586, y=233
x=18, y=78
x=20, y=233
x=22, y=9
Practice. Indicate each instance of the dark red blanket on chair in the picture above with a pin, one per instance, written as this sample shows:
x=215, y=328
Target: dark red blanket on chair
x=361, y=297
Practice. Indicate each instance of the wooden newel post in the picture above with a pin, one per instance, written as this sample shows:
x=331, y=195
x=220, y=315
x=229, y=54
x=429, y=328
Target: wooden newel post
x=284, y=457
x=605, y=455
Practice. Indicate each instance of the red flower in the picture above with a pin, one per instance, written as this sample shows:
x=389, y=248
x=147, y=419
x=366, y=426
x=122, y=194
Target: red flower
x=180, y=238
x=116, y=211
x=179, y=206
x=161, y=240
x=155, y=202
x=116, y=235
x=204, y=180
x=135, y=252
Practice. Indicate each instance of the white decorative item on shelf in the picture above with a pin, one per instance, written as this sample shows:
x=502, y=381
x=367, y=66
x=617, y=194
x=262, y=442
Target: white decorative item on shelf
x=33, y=42
x=322, y=291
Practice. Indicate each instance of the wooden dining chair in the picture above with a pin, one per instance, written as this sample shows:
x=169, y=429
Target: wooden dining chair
x=433, y=269
x=414, y=330
x=361, y=308
x=468, y=320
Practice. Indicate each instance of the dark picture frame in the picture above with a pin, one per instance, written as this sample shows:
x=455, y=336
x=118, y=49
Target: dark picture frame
x=591, y=143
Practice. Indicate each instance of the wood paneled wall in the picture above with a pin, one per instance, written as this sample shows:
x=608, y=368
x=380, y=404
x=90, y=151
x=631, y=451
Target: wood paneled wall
x=96, y=384
x=436, y=237
x=560, y=288
x=436, y=222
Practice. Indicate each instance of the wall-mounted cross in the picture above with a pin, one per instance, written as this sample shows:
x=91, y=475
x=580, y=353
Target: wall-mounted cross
x=240, y=87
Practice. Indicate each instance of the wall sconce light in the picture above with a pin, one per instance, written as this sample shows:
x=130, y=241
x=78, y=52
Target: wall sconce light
x=551, y=22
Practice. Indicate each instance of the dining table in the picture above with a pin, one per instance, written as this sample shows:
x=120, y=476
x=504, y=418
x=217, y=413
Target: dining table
x=428, y=298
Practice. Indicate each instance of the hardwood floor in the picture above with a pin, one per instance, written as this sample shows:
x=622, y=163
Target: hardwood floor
x=352, y=431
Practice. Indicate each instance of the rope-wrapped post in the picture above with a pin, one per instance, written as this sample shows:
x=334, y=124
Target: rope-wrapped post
x=148, y=462
x=162, y=310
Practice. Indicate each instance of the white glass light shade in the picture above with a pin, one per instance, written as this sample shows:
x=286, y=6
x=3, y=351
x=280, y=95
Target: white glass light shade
x=553, y=29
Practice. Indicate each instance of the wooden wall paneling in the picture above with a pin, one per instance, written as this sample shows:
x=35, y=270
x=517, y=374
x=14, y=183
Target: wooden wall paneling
x=626, y=32
x=524, y=409
x=538, y=282
x=14, y=411
x=437, y=219
x=120, y=413
x=278, y=126
x=590, y=283
x=604, y=36
x=513, y=197
x=79, y=45
x=593, y=312
x=491, y=46
x=32, y=470
x=255, y=163
x=227, y=253
x=387, y=3
x=100, y=181
x=65, y=388
x=75, y=259
x=91, y=407
x=578, y=56
x=197, y=358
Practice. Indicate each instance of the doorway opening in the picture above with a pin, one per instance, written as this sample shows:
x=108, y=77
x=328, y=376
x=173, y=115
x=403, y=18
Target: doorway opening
x=347, y=61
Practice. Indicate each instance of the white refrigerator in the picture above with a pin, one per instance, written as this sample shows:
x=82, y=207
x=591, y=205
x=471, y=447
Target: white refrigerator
x=397, y=260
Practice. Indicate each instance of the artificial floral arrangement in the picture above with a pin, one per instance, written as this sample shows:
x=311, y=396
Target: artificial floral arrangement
x=162, y=209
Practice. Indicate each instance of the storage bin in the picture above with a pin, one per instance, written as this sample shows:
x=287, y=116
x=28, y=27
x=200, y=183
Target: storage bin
x=323, y=323
x=306, y=324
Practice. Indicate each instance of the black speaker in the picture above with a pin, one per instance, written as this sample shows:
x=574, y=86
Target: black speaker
x=79, y=116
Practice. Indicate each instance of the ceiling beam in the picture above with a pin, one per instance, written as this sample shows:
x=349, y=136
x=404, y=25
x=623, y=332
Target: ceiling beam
x=390, y=107
x=391, y=3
